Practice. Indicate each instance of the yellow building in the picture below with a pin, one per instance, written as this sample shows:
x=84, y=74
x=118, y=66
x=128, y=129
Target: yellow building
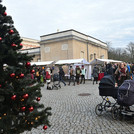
x=71, y=44
x=32, y=47
x=29, y=43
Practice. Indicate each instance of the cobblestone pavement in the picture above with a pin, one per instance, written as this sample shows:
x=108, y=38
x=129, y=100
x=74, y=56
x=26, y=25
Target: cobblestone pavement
x=74, y=114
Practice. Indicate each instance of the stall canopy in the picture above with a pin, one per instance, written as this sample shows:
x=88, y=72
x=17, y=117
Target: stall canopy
x=72, y=61
x=101, y=61
x=41, y=63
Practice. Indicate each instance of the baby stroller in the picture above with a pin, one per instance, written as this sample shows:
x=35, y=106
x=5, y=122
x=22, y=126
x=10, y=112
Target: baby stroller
x=56, y=82
x=125, y=101
x=106, y=89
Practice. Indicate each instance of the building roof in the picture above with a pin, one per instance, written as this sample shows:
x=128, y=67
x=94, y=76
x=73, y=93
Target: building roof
x=29, y=39
x=31, y=50
x=72, y=33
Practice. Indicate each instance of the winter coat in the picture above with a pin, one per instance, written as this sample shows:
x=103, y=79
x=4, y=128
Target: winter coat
x=95, y=72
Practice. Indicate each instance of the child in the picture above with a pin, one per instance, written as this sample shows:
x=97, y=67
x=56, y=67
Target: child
x=48, y=78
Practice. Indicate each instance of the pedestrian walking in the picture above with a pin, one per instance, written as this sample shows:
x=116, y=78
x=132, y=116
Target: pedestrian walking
x=78, y=73
x=61, y=75
x=72, y=76
x=95, y=74
x=83, y=72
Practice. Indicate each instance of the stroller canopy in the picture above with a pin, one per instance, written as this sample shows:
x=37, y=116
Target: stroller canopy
x=108, y=80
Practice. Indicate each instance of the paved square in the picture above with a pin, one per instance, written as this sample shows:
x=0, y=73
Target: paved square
x=73, y=113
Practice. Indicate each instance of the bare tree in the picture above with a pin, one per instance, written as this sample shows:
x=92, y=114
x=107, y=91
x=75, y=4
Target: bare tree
x=130, y=48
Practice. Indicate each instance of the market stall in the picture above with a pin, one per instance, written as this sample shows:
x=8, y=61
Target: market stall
x=74, y=63
x=42, y=63
x=101, y=62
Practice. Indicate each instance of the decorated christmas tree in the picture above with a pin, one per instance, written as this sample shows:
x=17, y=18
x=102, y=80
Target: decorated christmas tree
x=20, y=107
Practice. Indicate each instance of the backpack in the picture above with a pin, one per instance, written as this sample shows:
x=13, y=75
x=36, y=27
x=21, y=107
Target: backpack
x=78, y=71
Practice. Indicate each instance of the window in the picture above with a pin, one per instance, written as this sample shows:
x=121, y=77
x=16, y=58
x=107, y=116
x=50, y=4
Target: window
x=64, y=47
x=102, y=57
x=82, y=55
x=91, y=56
x=47, y=49
x=94, y=55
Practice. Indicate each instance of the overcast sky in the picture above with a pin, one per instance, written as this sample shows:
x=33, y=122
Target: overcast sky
x=107, y=20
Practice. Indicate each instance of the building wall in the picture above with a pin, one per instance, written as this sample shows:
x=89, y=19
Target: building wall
x=97, y=52
x=57, y=51
x=36, y=58
x=71, y=44
x=79, y=50
x=75, y=50
x=29, y=43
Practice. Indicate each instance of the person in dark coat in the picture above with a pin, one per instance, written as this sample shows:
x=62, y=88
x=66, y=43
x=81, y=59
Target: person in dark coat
x=61, y=75
x=95, y=74
x=109, y=69
x=78, y=73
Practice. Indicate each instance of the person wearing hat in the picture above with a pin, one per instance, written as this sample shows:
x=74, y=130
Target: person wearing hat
x=83, y=72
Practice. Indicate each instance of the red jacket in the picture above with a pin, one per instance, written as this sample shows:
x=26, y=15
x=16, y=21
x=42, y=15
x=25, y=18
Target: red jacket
x=48, y=76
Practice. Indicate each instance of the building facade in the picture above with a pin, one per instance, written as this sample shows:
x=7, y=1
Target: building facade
x=29, y=43
x=32, y=47
x=71, y=44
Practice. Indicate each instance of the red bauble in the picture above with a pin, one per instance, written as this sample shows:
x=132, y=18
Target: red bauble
x=28, y=64
x=38, y=99
x=0, y=85
x=25, y=96
x=12, y=75
x=11, y=31
x=21, y=44
x=23, y=109
x=44, y=127
x=32, y=71
x=5, y=14
x=13, y=97
x=13, y=45
x=21, y=75
x=31, y=109
x=0, y=39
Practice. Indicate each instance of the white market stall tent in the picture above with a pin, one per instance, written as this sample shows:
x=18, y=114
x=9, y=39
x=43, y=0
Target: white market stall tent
x=72, y=61
x=42, y=63
x=76, y=62
x=102, y=61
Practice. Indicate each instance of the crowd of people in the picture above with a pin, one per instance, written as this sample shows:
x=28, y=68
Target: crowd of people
x=120, y=72
x=47, y=74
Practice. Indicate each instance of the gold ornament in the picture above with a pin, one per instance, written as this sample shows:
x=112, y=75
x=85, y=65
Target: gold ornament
x=22, y=99
x=0, y=118
x=32, y=123
x=36, y=118
x=5, y=114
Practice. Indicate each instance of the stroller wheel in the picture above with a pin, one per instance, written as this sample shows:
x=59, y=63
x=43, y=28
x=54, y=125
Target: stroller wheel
x=99, y=109
x=116, y=113
x=107, y=106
